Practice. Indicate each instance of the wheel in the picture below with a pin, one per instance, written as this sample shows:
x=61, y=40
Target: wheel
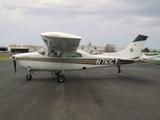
x=29, y=77
x=61, y=79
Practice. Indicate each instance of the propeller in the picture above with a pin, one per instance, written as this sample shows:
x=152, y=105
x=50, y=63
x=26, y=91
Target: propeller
x=14, y=62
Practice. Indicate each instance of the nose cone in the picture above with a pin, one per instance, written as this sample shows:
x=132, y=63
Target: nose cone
x=12, y=57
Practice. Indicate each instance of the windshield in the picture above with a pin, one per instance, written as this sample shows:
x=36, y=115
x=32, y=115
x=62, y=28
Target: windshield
x=42, y=51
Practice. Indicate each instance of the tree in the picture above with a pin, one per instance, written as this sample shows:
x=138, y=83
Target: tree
x=155, y=51
x=145, y=50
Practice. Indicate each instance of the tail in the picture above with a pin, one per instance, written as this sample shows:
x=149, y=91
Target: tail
x=133, y=50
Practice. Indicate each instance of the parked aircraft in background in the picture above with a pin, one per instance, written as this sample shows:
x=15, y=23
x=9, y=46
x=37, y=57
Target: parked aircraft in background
x=61, y=54
x=151, y=58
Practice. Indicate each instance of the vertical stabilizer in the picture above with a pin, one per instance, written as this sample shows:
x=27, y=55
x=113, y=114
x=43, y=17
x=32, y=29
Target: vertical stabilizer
x=133, y=50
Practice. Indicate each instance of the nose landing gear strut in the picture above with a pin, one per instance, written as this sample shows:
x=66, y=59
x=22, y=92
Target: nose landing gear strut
x=29, y=76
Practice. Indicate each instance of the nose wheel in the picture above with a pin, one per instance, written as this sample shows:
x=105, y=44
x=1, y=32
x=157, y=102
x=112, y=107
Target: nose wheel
x=29, y=77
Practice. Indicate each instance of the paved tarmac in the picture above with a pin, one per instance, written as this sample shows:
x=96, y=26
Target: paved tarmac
x=98, y=94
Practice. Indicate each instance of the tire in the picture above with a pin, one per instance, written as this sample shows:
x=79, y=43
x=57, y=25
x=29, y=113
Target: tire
x=29, y=77
x=61, y=79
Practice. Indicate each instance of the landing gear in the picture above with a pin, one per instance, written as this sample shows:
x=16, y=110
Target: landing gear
x=57, y=73
x=119, y=68
x=60, y=77
x=29, y=77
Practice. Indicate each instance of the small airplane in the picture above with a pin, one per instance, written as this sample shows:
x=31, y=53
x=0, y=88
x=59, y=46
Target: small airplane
x=61, y=54
x=151, y=57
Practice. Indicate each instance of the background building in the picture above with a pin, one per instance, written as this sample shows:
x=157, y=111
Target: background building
x=3, y=49
x=92, y=49
x=33, y=48
x=23, y=49
x=110, y=48
x=99, y=50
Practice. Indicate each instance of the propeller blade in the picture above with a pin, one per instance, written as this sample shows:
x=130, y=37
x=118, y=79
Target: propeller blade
x=14, y=61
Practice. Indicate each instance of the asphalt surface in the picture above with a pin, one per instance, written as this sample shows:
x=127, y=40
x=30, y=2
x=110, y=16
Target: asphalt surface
x=97, y=94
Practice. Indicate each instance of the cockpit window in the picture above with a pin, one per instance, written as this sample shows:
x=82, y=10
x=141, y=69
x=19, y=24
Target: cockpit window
x=73, y=54
x=42, y=51
x=54, y=53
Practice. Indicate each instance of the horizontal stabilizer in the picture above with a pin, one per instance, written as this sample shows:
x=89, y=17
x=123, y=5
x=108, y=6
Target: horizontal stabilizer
x=126, y=61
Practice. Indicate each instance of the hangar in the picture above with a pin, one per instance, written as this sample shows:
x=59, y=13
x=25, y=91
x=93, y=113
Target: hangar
x=19, y=49
x=23, y=49
x=3, y=49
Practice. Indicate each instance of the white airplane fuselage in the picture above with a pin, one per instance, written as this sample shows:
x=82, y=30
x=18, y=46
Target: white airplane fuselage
x=37, y=62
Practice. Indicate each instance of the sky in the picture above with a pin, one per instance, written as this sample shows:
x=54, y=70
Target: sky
x=100, y=22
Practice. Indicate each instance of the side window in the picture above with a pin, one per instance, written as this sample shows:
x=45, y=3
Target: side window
x=73, y=54
x=53, y=53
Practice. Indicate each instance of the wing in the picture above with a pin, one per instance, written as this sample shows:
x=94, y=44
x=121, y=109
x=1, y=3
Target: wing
x=60, y=41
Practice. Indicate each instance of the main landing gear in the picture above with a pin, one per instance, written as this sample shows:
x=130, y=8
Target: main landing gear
x=60, y=77
x=119, y=68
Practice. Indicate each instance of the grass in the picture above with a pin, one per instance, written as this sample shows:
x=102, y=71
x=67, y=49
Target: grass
x=4, y=57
